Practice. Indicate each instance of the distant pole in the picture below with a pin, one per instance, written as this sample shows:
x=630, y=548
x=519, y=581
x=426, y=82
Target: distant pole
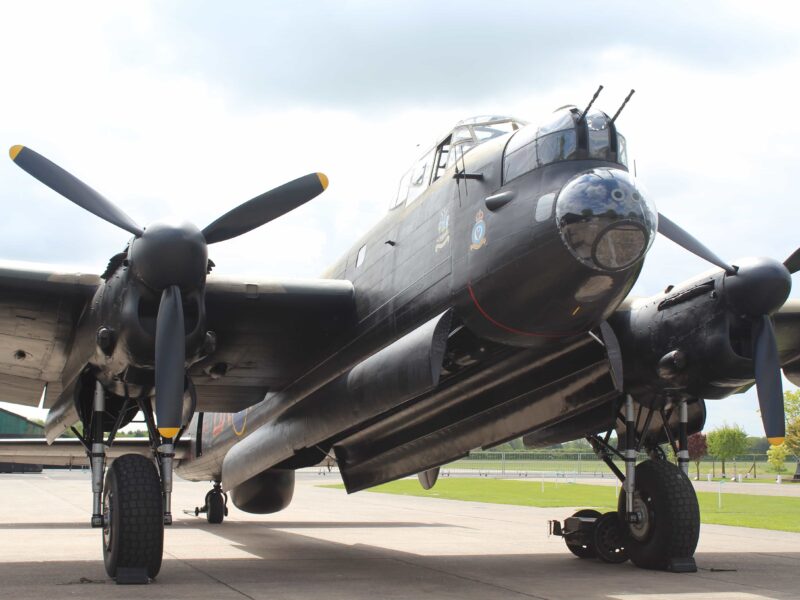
x=719, y=496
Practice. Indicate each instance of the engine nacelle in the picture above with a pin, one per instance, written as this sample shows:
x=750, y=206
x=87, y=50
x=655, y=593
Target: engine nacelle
x=686, y=343
x=267, y=492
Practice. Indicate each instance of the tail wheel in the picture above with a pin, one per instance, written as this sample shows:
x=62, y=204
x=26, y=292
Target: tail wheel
x=670, y=524
x=216, y=509
x=583, y=550
x=133, y=515
x=609, y=539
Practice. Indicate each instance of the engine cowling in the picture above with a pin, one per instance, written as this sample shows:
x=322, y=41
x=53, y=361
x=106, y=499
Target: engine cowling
x=689, y=342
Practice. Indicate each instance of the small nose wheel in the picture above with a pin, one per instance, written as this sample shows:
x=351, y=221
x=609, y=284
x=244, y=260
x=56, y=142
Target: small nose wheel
x=215, y=507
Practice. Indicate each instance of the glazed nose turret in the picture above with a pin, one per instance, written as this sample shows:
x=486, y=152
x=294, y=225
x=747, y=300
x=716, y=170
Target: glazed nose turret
x=605, y=220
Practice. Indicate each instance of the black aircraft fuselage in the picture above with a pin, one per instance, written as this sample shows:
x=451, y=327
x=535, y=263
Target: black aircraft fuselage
x=528, y=254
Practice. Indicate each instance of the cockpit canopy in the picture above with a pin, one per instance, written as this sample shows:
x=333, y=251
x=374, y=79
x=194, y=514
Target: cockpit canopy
x=465, y=136
x=564, y=136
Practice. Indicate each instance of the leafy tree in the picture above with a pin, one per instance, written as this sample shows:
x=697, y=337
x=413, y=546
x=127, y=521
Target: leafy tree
x=136, y=433
x=776, y=456
x=726, y=443
x=578, y=446
x=792, y=443
x=698, y=448
x=791, y=404
x=757, y=445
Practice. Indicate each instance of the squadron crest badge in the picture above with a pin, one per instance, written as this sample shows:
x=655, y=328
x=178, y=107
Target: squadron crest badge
x=478, y=232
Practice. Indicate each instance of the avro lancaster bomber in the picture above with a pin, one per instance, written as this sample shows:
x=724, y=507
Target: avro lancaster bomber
x=491, y=302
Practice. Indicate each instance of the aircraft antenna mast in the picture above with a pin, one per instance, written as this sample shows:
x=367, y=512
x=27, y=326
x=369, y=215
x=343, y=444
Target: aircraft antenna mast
x=624, y=102
x=586, y=110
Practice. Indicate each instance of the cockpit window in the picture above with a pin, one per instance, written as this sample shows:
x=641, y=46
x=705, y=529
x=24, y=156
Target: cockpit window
x=464, y=137
x=599, y=138
x=415, y=181
x=491, y=130
x=534, y=147
x=564, y=137
x=622, y=149
x=561, y=119
x=470, y=132
x=420, y=176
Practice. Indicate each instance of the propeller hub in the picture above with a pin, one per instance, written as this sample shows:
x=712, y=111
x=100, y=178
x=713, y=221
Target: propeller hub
x=760, y=286
x=170, y=254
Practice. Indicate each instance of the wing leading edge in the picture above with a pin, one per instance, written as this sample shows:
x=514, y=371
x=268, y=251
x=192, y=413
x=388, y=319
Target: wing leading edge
x=268, y=332
x=39, y=311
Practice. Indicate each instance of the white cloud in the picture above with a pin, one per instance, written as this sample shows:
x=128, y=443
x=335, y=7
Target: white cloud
x=145, y=103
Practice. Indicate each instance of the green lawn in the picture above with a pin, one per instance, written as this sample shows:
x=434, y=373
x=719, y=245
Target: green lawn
x=742, y=510
x=521, y=464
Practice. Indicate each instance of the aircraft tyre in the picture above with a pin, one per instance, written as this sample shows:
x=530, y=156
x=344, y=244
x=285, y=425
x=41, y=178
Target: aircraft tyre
x=215, y=513
x=133, y=510
x=610, y=542
x=671, y=524
x=583, y=550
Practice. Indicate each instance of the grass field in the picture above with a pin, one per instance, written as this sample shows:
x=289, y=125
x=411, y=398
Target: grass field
x=742, y=510
x=521, y=464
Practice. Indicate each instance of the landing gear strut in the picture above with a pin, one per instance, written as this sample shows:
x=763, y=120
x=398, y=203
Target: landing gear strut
x=216, y=506
x=133, y=504
x=657, y=523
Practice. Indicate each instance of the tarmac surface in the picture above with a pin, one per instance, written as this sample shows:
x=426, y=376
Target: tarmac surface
x=330, y=545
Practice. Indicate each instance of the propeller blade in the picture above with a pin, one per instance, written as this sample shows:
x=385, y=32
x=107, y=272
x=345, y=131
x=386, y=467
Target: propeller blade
x=72, y=188
x=614, y=353
x=768, y=380
x=792, y=263
x=686, y=241
x=170, y=362
x=266, y=207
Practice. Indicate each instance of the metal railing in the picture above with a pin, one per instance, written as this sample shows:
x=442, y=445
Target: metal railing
x=577, y=465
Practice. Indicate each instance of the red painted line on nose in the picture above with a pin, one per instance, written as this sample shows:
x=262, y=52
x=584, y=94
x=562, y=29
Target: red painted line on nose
x=500, y=325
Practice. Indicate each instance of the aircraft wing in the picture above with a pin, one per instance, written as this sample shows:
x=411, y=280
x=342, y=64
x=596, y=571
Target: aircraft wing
x=69, y=452
x=267, y=333
x=39, y=310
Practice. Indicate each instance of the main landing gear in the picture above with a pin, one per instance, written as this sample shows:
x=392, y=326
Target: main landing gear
x=657, y=523
x=133, y=505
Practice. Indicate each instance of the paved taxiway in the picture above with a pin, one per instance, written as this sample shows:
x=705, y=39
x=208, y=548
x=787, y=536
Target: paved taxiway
x=329, y=545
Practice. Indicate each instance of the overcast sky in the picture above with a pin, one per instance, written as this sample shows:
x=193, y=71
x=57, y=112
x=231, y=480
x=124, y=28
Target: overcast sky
x=190, y=108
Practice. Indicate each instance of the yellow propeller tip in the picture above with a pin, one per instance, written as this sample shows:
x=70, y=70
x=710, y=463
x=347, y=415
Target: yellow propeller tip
x=323, y=180
x=14, y=151
x=168, y=432
x=776, y=441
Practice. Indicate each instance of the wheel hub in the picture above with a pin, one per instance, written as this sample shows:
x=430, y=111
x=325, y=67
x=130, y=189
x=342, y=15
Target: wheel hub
x=107, y=532
x=640, y=529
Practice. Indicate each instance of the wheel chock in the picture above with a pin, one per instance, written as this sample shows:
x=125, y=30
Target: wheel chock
x=132, y=576
x=682, y=565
